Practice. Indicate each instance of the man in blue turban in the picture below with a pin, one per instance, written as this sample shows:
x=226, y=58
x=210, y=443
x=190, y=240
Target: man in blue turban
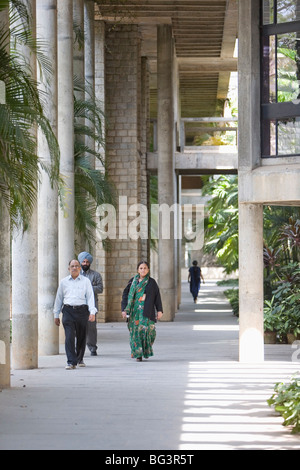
x=85, y=259
x=85, y=255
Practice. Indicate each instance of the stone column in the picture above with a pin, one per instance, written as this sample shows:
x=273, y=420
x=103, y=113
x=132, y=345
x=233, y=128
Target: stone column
x=251, y=348
x=66, y=132
x=47, y=207
x=144, y=148
x=24, y=271
x=166, y=168
x=122, y=101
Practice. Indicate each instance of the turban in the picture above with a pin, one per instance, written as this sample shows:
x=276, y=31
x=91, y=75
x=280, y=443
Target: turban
x=85, y=255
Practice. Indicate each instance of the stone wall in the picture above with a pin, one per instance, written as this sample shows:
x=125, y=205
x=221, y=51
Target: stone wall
x=125, y=154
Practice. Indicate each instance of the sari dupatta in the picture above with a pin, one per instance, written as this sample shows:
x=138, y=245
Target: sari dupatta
x=133, y=299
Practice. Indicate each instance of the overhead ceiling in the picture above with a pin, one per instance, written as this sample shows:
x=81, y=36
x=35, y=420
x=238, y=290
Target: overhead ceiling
x=205, y=33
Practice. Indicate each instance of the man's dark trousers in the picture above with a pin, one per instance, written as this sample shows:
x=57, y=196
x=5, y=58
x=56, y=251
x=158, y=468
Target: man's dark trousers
x=75, y=320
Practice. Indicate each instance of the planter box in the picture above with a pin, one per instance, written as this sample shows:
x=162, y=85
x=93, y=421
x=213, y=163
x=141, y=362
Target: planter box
x=270, y=337
x=291, y=338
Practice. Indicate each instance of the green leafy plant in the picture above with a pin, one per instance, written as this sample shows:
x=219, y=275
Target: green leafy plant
x=272, y=315
x=286, y=401
x=281, y=247
x=287, y=301
x=233, y=297
x=221, y=232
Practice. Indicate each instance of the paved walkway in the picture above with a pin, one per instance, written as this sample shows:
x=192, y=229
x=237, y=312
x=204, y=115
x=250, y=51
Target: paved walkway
x=193, y=394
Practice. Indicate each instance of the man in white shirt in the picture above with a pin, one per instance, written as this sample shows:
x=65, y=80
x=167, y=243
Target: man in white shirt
x=75, y=298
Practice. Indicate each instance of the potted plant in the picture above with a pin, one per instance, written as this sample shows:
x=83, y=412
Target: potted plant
x=286, y=401
x=287, y=297
x=272, y=321
x=291, y=325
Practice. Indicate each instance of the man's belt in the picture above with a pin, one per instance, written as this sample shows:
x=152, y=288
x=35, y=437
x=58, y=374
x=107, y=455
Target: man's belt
x=75, y=306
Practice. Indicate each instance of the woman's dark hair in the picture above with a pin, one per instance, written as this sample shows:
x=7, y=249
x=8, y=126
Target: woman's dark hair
x=143, y=262
x=195, y=263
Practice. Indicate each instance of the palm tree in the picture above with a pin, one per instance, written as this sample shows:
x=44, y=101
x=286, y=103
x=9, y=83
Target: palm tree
x=23, y=111
x=20, y=113
x=92, y=185
x=221, y=232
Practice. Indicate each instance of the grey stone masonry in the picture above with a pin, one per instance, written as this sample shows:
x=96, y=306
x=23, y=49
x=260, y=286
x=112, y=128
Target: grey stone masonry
x=125, y=154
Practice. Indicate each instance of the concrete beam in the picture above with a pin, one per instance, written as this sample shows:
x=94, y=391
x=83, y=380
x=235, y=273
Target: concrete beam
x=275, y=185
x=213, y=161
x=207, y=64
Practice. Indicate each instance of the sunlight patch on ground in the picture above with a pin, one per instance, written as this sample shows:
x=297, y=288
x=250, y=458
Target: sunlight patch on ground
x=225, y=407
x=214, y=310
x=216, y=328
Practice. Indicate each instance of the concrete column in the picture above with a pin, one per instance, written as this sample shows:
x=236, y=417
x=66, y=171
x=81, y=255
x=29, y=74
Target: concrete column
x=4, y=273
x=251, y=287
x=251, y=348
x=79, y=75
x=78, y=54
x=79, y=49
x=100, y=253
x=47, y=207
x=89, y=30
x=5, y=296
x=166, y=171
x=24, y=271
x=89, y=76
x=25, y=298
x=249, y=86
x=89, y=58
x=66, y=132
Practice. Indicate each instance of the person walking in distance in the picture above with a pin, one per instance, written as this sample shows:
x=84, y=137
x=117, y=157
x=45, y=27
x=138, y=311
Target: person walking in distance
x=194, y=278
x=86, y=259
x=75, y=298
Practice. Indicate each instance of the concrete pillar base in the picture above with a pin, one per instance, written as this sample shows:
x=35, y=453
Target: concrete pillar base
x=251, y=318
x=169, y=304
x=251, y=346
x=24, y=350
x=5, y=354
x=48, y=334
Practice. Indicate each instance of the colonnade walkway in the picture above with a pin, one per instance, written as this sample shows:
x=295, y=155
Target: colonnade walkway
x=192, y=395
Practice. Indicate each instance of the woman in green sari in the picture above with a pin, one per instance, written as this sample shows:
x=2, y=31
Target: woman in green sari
x=140, y=302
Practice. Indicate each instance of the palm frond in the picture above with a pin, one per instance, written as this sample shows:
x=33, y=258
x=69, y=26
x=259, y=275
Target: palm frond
x=92, y=186
x=20, y=117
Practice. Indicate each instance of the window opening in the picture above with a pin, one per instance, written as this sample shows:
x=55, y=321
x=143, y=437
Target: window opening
x=280, y=112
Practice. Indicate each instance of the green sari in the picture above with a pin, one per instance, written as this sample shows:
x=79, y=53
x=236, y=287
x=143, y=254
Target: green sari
x=142, y=330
